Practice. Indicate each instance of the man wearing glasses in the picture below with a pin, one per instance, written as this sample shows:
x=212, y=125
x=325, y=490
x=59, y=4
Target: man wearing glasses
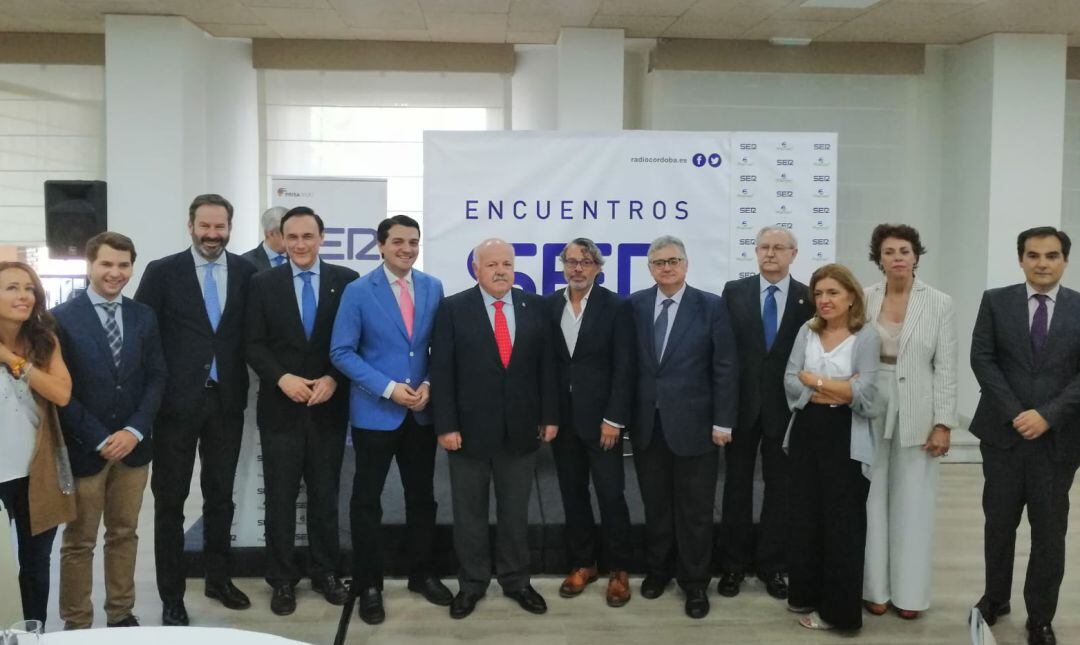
x=594, y=351
x=687, y=398
x=767, y=311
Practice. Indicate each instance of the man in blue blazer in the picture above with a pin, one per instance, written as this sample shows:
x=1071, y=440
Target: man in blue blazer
x=380, y=342
x=112, y=348
x=687, y=400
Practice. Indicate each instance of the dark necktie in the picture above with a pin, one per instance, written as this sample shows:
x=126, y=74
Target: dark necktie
x=768, y=316
x=1039, y=323
x=660, y=329
x=112, y=330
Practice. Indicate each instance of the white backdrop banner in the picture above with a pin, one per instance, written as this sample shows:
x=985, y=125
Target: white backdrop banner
x=538, y=190
x=351, y=210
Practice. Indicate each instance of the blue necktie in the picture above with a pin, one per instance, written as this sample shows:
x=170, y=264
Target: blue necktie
x=307, y=304
x=278, y=260
x=213, y=308
x=768, y=316
x=660, y=329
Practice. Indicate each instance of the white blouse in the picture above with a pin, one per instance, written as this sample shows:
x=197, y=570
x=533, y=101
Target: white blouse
x=835, y=364
x=18, y=427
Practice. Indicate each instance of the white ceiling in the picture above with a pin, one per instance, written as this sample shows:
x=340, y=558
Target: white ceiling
x=539, y=21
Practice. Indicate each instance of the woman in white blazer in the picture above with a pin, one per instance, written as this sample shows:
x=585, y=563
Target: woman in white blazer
x=916, y=412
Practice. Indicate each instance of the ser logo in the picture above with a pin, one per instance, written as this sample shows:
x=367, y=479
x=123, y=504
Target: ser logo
x=745, y=161
x=822, y=178
x=744, y=224
x=746, y=192
x=747, y=146
x=785, y=162
x=821, y=192
x=820, y=241
x=821, y=224
x=747, y=241
x=747, y=210
x=822, y=146
x=747, y=177
x=821, y=210
x=787, y=225
x=785, y=193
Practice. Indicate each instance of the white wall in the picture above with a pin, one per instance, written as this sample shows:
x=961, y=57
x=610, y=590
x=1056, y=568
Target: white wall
x=889, y=139
x=1070, y=197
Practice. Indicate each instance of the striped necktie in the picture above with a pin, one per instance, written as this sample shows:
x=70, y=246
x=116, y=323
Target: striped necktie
x=112, y=330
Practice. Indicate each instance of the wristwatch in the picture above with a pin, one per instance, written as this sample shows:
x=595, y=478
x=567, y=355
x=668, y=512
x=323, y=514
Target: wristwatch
x=819, y=384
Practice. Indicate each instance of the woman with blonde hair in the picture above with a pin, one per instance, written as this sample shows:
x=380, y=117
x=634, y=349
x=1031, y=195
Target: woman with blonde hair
x=36, y=485
x=917, y=382
x=831, y=388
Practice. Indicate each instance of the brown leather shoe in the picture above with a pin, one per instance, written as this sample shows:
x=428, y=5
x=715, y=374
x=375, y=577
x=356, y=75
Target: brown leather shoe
x=576, y=582
x=618, y=589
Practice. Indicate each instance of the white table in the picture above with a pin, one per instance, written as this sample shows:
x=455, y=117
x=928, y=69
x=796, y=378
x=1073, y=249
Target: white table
x=163, y=636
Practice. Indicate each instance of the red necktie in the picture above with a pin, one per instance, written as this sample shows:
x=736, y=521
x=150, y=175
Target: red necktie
x=502, y=334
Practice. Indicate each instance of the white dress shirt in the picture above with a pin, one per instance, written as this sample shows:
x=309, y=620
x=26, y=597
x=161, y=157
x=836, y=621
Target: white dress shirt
x=570, y=323
x=298, y=284
x=221, y=274
x=508, y=311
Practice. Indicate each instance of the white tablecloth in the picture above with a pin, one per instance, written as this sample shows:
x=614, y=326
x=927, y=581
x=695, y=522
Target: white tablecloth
x=163, y=636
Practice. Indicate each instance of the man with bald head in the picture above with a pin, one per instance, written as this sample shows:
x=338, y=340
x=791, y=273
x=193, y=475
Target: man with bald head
x=494, y=392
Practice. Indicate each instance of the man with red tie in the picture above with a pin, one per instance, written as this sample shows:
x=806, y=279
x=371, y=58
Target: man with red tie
x=381, y=340
x=495, y=394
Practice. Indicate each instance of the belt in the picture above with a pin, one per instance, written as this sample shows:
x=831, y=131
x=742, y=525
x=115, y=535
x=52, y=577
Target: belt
x=888, y=360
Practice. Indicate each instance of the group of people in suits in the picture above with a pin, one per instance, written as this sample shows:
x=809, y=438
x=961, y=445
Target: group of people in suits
x=849, y=396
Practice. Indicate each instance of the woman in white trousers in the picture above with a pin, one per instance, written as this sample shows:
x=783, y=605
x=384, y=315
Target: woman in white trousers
x=917, y=410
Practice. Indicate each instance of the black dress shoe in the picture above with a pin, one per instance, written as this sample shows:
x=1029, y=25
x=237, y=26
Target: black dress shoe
x=283, y=600
x=1040, y=634
x=697, y=603
x=433, y=591
x=653, y=586
x=331, y=589
x=729, y=584
x=174, y=614
x=128, y=621
x=529, y=600
x=370, y=607
x=227, y=594
x=991, y=610
x=775, y=585
x=464, y=603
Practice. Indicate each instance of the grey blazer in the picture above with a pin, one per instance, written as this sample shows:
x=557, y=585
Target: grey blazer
x=863, y=389
x=927, y=363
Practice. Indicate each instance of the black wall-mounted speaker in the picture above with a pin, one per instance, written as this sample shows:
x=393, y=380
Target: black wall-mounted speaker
x=75, y=211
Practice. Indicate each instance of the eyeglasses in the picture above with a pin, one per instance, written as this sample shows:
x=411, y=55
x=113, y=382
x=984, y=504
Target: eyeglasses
x=775, y=248
x=573, y=264
x=671, y=262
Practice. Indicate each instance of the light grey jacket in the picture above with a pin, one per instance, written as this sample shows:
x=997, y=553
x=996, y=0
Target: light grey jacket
x=926, y=366
x=864, y=393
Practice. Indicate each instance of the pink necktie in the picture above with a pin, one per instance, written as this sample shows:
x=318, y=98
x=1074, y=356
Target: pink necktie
x=502, y=334
x=406, y=304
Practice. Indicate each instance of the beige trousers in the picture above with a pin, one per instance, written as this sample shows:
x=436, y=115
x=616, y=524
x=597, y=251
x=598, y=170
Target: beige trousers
x=115, y=493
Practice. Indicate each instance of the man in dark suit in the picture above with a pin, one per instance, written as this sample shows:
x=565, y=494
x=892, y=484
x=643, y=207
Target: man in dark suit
x=301, y=411
x=493, y=388
x=1025, y=352
x=199, y=295
x=687, y=397
x=381, y=340
x=112, y=348
x=271, y=251
x=594, y=349
x=766, y=312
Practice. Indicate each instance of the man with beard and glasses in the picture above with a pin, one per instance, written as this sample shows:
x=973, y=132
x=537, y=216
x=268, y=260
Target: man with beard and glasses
x=199, y=295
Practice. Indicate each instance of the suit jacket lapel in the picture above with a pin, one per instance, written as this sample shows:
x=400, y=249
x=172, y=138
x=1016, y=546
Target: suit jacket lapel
x=92, y=323
x=1063, y=311
x=1018, y=314
x=384, y=294
x=289, y=305
x=189, y=282
x=597, y=301
x=753, y=303
x=328, y=291
x=556, y=318
x=129, y=354
x=645, y=309
x=421, y=304
x=791, y=305
x=232, y=287
x=916, y=305
x=484, y=328
x=685, y=316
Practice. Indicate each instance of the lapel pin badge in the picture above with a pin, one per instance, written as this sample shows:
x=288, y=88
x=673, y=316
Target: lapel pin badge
x=801, y=301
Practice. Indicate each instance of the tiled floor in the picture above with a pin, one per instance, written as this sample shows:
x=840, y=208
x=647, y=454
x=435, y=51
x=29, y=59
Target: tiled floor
x=751, y=618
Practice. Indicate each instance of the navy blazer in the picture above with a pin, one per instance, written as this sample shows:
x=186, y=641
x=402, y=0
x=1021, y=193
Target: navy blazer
x=696, y=384
x=1013, y=378
x=276, y=345
x=171, y=288
x=597, y=381
x=493, y=407
x=103, y=398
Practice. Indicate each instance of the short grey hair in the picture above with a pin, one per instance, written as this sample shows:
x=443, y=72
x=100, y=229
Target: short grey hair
x=589, y=246
x=271, y=218
x=666, y=240
x=786, y=231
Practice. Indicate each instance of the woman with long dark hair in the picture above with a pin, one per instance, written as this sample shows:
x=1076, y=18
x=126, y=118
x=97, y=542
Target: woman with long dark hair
x=36, y=486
